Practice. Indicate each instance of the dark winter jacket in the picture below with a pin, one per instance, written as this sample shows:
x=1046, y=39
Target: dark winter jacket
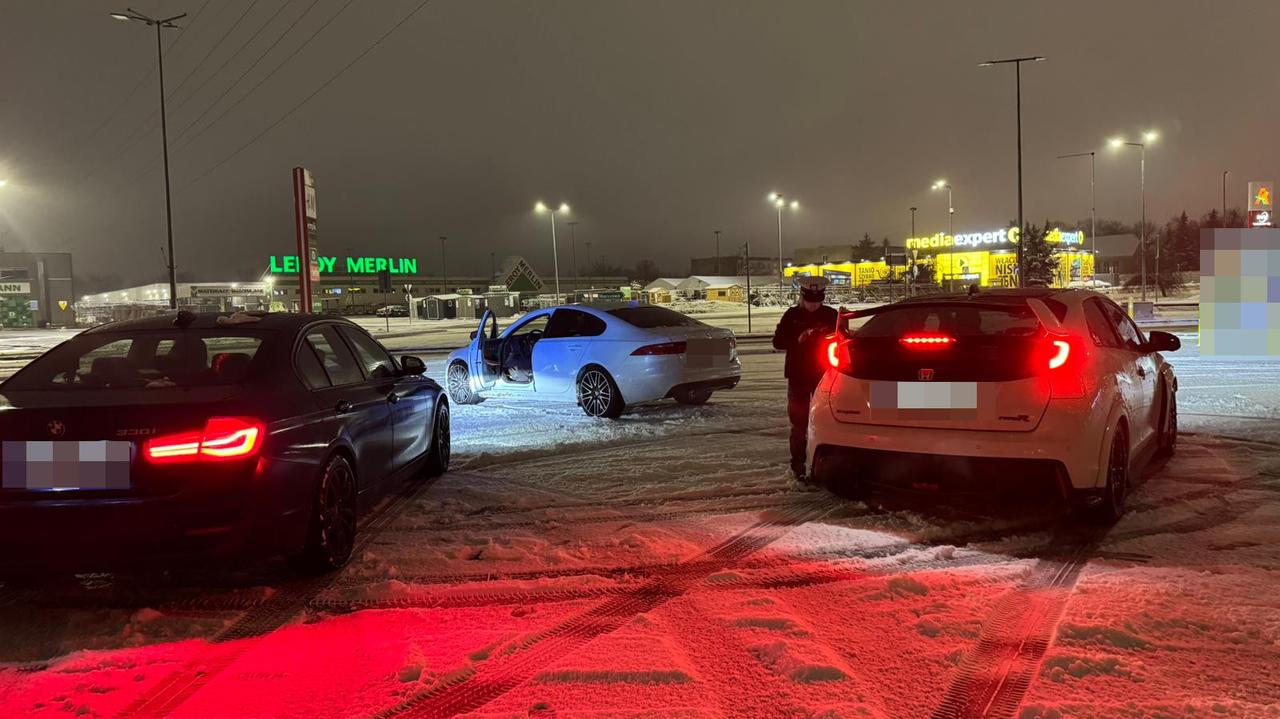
x=805, y=361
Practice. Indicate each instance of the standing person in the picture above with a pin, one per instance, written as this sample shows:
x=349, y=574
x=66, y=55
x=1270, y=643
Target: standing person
x=799, y=334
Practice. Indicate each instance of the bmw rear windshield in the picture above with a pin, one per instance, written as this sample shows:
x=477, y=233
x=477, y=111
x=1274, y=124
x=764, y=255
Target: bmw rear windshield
x=650, y=317
x=144, y=360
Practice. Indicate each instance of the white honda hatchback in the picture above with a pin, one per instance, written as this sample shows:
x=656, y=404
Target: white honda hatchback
x=1034, y=393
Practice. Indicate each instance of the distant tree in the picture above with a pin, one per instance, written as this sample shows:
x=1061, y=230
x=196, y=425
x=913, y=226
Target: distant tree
x=1039, y=258
x=646, y=271
x=604, y=269
x=1235, y=218
x=866, y=247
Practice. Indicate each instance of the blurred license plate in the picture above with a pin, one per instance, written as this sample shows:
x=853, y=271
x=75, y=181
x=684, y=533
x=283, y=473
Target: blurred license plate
x=924, y=395
x=707, y=353
x=53, y=466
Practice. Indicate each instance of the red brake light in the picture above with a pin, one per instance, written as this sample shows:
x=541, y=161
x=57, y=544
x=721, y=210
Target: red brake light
x=838, y=352
x=223, y=438
x=1063, y=357
x=666, y=348
x=1061, y=351
x=833, y=353
x=927, y=341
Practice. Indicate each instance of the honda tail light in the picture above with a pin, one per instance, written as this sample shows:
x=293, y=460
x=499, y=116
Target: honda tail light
x=223, y=438
x=927, y=341
x=666, y=348
x=838, y=353
x=1063, y=359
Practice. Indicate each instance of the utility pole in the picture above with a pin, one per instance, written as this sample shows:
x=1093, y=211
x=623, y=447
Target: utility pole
x=589, y=265
x=444, y=266
x=158, y=24
x=746, y=251
x=1224, y=197
x=573, y=244
x=718, y=270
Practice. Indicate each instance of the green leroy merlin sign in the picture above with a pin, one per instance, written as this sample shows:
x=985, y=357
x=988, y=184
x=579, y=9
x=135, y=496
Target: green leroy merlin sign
x=288, y=265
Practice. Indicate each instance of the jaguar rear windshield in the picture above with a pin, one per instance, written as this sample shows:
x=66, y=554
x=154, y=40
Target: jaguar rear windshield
x=144, y=359
x=650, y=317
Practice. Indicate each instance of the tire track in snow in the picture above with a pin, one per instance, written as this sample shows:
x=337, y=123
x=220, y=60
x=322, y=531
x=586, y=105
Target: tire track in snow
x=267, y=616
x=995, y=675
x=485, y=682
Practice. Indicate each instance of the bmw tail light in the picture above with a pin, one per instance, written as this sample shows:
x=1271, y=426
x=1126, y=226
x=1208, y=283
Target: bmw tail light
x=665, y=348
x=927, y=341
x=223, y=438
x=1063, y=361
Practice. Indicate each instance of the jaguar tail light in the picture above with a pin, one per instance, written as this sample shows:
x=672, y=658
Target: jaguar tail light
x=223, y=438
x=665, y=348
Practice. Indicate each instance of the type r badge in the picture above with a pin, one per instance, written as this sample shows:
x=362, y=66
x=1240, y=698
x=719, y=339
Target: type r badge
x=56, y=428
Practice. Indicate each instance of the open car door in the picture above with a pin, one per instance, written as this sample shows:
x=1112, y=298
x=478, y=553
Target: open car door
x=486, y=353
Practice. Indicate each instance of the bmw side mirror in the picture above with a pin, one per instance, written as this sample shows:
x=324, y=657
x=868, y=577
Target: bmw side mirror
x=1163, y=342
x=412, y=365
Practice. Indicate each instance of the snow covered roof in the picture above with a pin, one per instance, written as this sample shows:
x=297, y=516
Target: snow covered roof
x=725, y=286
x=663, y=283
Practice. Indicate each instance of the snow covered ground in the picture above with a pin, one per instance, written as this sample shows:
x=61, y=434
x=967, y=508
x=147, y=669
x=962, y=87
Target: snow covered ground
x=665, y=565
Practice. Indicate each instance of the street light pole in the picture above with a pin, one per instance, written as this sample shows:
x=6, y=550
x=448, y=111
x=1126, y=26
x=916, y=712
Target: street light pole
x=1093, y=201
x=780, y=202
x=1224, y=197
x=718, y=270
x=555, y=255
x=444, y=266
x=1149, y=136
x=1017, y=64
x=589, y=265
x=951, y=229
x=913, y=221
x=133, y=15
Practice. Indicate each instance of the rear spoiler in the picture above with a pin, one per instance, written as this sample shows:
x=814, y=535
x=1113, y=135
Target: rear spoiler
x=1042, y=312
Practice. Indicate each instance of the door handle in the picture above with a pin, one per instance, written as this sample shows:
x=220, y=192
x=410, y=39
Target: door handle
x=392, y=397
x=342, y=407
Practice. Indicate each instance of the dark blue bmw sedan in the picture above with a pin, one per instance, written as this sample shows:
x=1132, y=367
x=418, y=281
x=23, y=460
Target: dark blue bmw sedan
x=229, y=436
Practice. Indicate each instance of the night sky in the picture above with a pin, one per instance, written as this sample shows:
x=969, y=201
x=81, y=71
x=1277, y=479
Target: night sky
x=657, y=121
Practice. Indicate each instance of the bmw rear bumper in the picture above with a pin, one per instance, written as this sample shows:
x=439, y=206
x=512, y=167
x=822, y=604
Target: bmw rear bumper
x=260, y=514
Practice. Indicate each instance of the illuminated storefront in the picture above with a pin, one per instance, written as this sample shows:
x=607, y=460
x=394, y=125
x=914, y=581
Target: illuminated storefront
x=986, y=258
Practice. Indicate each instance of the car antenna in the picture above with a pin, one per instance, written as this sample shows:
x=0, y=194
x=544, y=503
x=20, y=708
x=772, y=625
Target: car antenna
x=184, y=319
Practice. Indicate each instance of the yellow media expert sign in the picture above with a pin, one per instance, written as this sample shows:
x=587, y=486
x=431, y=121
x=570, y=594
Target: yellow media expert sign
x=994, y=239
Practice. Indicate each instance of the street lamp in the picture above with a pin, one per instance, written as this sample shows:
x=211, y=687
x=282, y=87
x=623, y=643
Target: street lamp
x=718, y=270
x=951, y=230
x=3, y=183
x=133, y=15
x=779, y=203
x=541, y=208
x=1118, y=143
x=1093, y=203
x=913, y=221
x=1017, y=66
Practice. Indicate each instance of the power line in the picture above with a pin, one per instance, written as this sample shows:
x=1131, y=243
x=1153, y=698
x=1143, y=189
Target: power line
x=215, y=46
x=250, y=68
x=308, y=98
x=262, y=26
x=155, y=117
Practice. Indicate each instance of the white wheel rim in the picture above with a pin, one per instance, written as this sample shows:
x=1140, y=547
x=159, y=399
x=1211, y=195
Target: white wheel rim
x=595, y=393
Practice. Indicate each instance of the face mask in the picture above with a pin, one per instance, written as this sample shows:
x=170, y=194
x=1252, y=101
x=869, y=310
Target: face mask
x=813, y=295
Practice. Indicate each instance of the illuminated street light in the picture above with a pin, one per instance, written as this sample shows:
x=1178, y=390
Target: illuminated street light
x=780, y=203
x=951, y=230
x=1117, y=143
x=3, y=183
x=541, y=208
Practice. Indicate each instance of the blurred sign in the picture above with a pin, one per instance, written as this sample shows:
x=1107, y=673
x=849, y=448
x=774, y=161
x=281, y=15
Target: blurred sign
x=1261, y=218
x=1261, y=196
x=304, y=212
x=15, y=288
x=226, y=290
